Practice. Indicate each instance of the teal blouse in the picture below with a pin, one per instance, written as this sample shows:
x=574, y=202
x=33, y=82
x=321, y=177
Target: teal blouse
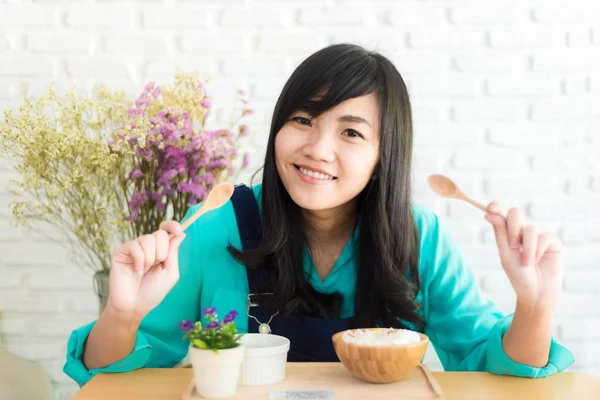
x=464, y=327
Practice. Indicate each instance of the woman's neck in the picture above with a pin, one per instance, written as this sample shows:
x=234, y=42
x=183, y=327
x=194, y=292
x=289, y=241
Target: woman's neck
x=328, y=227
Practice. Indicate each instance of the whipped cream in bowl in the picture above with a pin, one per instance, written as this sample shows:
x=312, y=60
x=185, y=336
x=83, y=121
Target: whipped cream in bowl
x=381, y=337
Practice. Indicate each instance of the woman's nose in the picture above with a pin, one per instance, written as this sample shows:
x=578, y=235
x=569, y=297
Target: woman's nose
x=320, y=147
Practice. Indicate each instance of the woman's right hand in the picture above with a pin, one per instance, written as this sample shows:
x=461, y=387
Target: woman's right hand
x=144, y=270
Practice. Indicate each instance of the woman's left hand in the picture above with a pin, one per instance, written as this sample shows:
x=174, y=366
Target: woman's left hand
x=532, y=260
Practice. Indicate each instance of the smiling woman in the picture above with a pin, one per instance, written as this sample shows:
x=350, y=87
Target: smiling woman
x=329, y=240
x=319, y=173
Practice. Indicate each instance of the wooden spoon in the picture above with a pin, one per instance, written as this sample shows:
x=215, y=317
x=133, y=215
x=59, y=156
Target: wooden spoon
x=217, y=197
x=445, y=187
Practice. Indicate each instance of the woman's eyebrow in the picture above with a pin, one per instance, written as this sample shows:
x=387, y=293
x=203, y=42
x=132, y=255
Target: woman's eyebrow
x=354, y=118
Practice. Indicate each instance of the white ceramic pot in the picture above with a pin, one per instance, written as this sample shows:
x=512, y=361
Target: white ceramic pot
x=265, y=358
x=216, y=374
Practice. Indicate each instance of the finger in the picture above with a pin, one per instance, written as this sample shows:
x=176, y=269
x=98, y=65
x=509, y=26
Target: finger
x=162, y=245
x=494, y=208
x=172, y=261
x=133, y=249
x=148, y=243
x=530, y=244
x=515, y=221
x=500, y=232
x=547, y=243
x=172, y=227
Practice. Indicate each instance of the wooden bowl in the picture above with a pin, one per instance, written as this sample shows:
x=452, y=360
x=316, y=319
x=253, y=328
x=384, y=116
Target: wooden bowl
x=380, y=364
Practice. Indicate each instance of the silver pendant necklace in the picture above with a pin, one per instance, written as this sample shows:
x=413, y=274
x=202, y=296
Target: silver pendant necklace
x=262, y=327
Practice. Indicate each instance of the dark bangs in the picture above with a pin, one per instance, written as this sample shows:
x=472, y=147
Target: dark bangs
x=332, y=76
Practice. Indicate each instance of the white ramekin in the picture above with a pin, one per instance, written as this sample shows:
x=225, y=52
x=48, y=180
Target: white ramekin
x=265, y=358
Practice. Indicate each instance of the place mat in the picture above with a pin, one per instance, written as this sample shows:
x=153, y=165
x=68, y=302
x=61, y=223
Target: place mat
x=334, y=381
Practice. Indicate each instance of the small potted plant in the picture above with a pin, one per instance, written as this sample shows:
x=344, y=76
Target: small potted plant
x=215, y=352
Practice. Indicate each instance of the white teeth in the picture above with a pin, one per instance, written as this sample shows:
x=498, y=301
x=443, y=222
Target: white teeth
x=316, y=175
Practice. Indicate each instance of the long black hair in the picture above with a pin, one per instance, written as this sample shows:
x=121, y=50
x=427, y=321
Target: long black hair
x=388, y=279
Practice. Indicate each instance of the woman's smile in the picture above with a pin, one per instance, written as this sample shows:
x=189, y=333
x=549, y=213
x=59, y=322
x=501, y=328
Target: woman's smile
x=313, y=175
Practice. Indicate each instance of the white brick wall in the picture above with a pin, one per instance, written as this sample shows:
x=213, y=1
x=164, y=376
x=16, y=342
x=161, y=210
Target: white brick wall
x=505, y=93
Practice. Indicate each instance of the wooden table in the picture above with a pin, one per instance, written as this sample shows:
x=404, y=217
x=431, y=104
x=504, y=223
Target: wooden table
x=169, y=384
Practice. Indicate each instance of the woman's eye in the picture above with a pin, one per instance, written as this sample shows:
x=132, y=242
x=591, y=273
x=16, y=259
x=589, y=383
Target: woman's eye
x=302, y=120
x=352, y=133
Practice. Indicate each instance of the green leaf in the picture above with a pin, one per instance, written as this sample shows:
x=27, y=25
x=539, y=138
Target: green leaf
x=199, y=343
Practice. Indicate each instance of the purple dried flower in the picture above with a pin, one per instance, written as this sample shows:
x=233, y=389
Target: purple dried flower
x=213, y=325
x=208, y=179
x=167, y=129
x=186, y=325
x=231, y=152
x=246, y=160
x=137, y=199
x=175, y=158
x=156, y=196
x=209, y=311
x=230, y=317
x=187, y=127
x=194, y=144
x=175, y=136
x=178, y=156
x=169, y=175
x=208, y=135
x=132, y=218
x=218, y=164
x=193, y=189
x=149, y=86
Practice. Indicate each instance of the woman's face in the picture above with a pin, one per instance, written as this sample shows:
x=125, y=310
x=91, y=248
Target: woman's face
x=327, y=161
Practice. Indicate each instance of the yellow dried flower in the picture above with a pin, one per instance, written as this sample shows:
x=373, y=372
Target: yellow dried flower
x=69, y=176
